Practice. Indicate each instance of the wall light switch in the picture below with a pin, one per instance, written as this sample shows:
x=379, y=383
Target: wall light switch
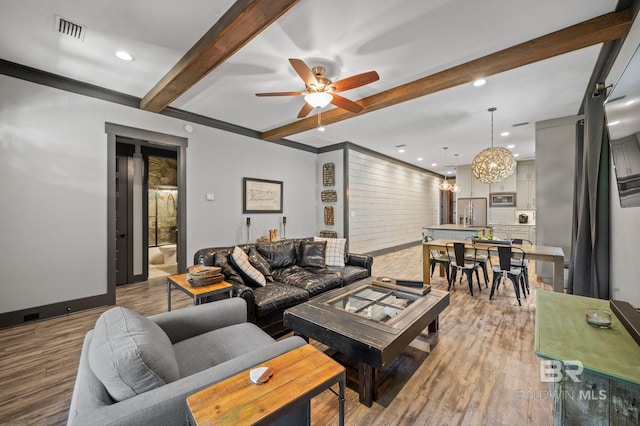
x=210, y=197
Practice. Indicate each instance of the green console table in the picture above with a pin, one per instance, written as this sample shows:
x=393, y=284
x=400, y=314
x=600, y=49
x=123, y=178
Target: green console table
x=607, y=391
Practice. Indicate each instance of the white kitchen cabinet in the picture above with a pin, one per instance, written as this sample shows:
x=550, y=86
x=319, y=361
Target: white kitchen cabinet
x=470, y=187
x=532, y=234
x=526, y=170
x=508, y=232
x=526, y=185
x=507, y=185
x=501, y=232
x=626, y=153
x=526, y=195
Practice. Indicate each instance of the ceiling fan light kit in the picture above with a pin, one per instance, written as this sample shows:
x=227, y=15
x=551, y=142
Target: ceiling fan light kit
x=318, y=99
x=493, y=164
x=321, y=91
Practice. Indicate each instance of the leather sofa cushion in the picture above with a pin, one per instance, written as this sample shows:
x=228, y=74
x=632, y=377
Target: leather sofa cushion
x=279, y=254
x=313, y=282
x=275, y=296
x=312, y=254
x=349, y=273
x=130, y=354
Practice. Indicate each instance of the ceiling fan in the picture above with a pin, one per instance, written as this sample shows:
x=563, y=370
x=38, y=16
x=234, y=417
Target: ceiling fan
x=321, y=90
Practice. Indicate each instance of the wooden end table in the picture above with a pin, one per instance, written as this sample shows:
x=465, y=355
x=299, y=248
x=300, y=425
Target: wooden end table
x=179, y=281
x=298, y=376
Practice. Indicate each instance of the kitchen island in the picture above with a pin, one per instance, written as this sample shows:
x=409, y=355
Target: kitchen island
x=455, y=232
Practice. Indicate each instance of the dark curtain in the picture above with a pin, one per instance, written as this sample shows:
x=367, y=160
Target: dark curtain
x=589, y=266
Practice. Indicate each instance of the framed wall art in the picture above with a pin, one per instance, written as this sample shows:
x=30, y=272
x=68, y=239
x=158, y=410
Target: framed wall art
x=261, y=196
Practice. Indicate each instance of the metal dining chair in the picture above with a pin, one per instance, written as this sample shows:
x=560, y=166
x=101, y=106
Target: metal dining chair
x=514, y=262
x=435, y=258
x=506, y=269
x=460, y=261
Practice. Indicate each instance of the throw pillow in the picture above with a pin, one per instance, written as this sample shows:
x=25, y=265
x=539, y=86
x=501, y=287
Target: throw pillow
x=335, y=252
x=260, y=263
x=279, y=254
x=130, y=354
x=312, y=254
x=230, y=272
x=241, y=261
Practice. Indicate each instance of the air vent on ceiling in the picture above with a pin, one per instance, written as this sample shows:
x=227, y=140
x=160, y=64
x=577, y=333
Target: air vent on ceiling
x=71, y=29
x=521, y=124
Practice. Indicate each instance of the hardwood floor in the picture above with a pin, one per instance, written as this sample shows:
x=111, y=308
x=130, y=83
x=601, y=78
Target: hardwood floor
x=482, y=370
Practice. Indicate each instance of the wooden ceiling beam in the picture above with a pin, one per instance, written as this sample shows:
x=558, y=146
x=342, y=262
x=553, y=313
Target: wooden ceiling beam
x=241, y=23
x=611, y=26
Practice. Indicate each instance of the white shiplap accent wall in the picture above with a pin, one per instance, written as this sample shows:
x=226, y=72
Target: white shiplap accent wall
x=388, y=203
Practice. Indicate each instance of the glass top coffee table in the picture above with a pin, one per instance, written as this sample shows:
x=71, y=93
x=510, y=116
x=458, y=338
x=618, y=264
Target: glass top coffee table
x=370, y=324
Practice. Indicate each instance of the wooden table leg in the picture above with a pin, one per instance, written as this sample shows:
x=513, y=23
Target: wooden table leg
x=434, y=326
x=558, y=274
x=368, y=386
x=426, y=276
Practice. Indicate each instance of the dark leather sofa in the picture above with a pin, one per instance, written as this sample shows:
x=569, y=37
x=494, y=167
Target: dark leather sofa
x=292, y=284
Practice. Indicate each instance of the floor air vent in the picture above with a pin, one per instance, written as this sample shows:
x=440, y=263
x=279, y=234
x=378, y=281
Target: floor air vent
x=66, y=27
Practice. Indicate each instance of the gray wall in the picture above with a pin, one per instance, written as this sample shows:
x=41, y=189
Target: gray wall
x=53, y=169
x=389, y=203
x=555, y=172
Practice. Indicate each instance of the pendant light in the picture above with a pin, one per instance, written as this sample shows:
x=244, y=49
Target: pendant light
x=493, y=164
x=444, y=185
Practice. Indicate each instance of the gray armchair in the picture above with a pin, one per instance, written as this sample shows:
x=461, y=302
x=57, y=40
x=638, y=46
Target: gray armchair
x=138, y=371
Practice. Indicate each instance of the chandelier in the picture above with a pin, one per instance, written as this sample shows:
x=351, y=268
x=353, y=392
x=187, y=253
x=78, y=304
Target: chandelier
x=493, y=164
x=446, y=186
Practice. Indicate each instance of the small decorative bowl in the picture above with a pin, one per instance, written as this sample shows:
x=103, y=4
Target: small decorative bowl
x=598, y=317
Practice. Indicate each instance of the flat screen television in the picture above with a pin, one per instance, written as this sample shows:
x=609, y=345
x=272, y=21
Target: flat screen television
x=622, y=110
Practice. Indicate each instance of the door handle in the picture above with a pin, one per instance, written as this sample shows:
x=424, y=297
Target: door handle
x=122, y=235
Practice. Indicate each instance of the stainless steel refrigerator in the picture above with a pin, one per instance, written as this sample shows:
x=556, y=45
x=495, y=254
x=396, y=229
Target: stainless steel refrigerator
x=472, y=211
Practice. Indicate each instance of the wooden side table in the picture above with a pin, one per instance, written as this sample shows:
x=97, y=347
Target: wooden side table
x=298, y=376
x=180, y=282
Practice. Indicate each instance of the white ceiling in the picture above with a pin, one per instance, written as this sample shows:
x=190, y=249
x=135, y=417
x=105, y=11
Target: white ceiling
x=402, y=40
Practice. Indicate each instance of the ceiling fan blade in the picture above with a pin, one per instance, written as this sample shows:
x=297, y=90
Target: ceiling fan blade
x=355, y=81
x=306, y=109
x=345, y=103
x=303, y=71
x=280, y=94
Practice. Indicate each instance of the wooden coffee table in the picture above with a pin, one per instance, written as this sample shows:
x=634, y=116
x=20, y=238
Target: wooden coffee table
x=298, y=376
x=368, y=324
x=180, y=282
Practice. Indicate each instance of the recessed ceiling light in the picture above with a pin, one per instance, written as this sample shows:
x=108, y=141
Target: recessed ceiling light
x=434, y=164
x=449, y=172
x=419, y=158
x=511, y=146
x=125, y=56
x=504, y=134
x=613, y=123
x=480, y=82
x=401, y=150
x=516, y=155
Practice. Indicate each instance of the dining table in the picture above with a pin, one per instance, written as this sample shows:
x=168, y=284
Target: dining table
x=551, y=254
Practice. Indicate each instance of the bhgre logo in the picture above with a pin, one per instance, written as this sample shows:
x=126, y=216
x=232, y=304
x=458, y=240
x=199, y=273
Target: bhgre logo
x=552, y=371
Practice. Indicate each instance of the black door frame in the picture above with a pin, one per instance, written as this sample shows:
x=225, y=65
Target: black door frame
x=153, y=139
